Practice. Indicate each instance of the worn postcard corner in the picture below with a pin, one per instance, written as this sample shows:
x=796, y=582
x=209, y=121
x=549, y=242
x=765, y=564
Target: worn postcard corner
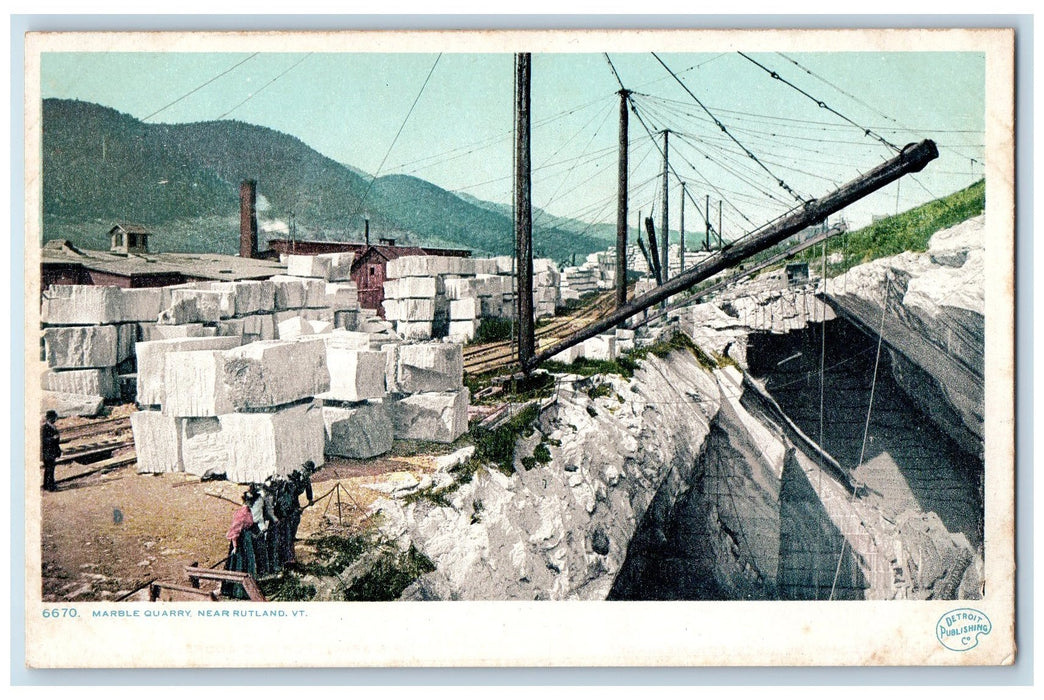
x=679, y=348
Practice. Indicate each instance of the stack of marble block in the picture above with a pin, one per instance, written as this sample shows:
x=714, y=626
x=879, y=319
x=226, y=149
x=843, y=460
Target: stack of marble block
x=356, y=413
x=88, y=341
x=408, y=391
x=546, y=282
x=425, y=382
x=606, y=346
x=263, y=409
x=578, y=282
x=416, y=300
x=246, y=411
x=434, y=296
x=473, y=298
x=603, y=263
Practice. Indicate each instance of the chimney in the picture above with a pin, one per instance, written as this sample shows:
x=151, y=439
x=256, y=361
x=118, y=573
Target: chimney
x=367, y=233
x=248, y=219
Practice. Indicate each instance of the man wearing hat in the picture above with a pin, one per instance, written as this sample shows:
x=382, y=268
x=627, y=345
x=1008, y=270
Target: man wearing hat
x=50, y=449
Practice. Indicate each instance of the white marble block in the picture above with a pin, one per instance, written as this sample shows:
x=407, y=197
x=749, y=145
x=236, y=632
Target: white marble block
x=348, y=340
x=152, y=362
x=157, y=442
x=341, y=296
x=77, y=304
x=211, y=305
x=465, y=309
x=600, y=347
x=570, y=354
x=430, y=367
x=414, y=330
x=230, y=327
x=141, y=304
x=71, y=404
x=94, y=382
x=126, y=339
x=275, y=372
x=484, y=266
x=251, y=296
x=315, y=292
x=434, y=417
x=154, y=331
x=289, y=292
x=461, y=288
x=272, y=444
x=294, y=327
x=195, y=384
x=416, y=309
x=308, y=266
x=76, y=347
x=204, y=445
x=462, y=331
x=355, y=374
x=358, y=432
x=340, y=266
x=415, y=288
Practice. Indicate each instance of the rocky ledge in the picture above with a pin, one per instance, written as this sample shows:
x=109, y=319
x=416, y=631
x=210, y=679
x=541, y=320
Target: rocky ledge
x=931, y=308
x=560, y=530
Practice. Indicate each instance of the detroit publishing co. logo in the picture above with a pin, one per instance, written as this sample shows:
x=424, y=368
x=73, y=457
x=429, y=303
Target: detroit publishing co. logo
x=959, y=630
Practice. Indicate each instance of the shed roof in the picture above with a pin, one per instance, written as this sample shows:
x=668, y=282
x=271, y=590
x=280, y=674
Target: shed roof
x=206, y=266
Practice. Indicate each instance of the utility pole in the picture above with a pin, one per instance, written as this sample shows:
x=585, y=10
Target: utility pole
x=665, y=272
x=681, y=229
x=621, y=206
x=657, y=270
x=523, y=211
x=706, y=220
x=913, y=158
x=721, y=243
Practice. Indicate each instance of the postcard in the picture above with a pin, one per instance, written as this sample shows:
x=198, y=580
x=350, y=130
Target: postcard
x=520, y=348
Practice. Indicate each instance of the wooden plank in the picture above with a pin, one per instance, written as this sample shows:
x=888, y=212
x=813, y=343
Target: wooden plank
x=96, y=449
x=102, y=466
x=156, y=589
x=244, y=579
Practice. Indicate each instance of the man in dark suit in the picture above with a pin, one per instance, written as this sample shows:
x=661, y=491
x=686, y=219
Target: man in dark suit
x=50, y=449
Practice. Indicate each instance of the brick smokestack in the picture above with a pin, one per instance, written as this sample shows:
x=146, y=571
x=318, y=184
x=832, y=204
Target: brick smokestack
x=248, y=219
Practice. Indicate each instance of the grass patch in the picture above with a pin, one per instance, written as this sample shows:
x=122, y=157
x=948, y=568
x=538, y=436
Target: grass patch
x=287, y=587
x=600, y=391
x=726, y=361
x=492, y=330
x=436, y=496
x=910, y=230
x=538, y=385
x=497, y=446
x=333, y=554
x=391, y=573
x=390, y=576
x=677, y=341
x=624, y=365
x=412, y=448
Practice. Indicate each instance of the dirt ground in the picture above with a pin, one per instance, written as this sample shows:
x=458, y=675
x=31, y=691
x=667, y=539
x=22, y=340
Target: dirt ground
x=107, y=535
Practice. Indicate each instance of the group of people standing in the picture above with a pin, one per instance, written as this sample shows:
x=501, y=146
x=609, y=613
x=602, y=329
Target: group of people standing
x=264, y=529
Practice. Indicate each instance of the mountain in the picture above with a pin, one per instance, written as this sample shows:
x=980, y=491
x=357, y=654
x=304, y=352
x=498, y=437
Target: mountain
x=182, y=181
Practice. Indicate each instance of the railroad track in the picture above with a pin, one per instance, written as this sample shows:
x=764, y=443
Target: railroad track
x=97, y=427
x=480, y=359
x=97, y=440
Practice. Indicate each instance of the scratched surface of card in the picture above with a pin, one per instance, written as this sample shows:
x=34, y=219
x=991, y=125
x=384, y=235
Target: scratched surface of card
x=687, y=348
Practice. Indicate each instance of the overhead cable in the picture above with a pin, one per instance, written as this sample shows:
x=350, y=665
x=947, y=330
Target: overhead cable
x=717, y=122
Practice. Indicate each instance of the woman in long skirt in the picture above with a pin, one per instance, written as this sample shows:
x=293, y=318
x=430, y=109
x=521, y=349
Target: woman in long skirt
x=240, y=548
